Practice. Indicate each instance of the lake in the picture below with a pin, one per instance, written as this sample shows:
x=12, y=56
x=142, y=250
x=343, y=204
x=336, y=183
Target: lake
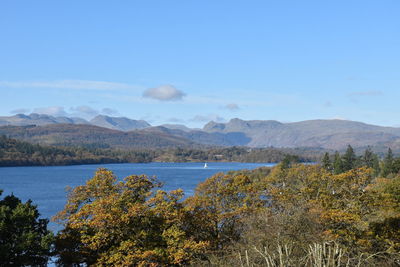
x=45, y=186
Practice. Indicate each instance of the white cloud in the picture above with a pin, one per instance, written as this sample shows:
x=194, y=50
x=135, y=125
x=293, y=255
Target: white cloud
x=68, y=84
x=56, y=111
x=84, y=111
x=20, y=111
x=207, y=118
x=164, y=93
x=232, y=107
x=366, y=93
x=109, y=111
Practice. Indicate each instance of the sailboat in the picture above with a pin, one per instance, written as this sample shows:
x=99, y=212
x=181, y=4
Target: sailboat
x=205, y=165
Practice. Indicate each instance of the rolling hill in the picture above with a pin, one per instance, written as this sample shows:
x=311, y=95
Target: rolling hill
x=122, y=132
x=92, y=136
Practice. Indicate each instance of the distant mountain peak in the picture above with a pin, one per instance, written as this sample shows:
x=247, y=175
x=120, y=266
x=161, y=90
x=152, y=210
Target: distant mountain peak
x=116, y=123
x=119, y=123
x=21, y=116
x=214, y=126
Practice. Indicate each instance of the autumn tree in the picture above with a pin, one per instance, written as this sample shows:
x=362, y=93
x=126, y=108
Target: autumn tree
x=340, y=201
x=281, y=207
x=124, y=223
x=385, y=218
x=219, y=205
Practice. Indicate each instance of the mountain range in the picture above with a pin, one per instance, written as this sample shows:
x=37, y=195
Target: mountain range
x=115, y=123
x=123, y=132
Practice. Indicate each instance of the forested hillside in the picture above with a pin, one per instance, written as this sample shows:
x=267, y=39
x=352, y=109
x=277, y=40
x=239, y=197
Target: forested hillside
x=92, y=136
x=19, y=153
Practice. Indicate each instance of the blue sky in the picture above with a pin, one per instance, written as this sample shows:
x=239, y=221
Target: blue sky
x=194, y=61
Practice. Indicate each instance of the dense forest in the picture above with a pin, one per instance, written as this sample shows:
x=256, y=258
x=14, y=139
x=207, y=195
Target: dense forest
x=19, y=153
x=288, y=215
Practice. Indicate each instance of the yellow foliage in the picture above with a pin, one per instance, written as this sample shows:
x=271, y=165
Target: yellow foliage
x=127, y=223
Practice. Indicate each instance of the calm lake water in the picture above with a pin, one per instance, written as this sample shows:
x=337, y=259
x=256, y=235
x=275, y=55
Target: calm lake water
x=45, y=186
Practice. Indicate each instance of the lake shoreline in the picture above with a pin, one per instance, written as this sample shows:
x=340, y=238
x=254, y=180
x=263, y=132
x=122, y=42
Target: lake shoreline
x=97, y=163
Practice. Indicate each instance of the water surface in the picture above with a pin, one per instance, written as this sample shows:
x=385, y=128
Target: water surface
x=45, y=186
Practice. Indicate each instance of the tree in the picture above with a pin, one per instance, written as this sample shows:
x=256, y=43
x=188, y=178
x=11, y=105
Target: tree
x=219, y=205
x=24, y=238
x=368, y=158
x=349, y=159
x=326, y=162
x=337, y=163
x=388, y=163
x=288, y=160
x=385, y=223
x=126, y=223
x=291, y=208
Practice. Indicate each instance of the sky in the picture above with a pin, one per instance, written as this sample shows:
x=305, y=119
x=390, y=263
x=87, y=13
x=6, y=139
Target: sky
x=189, y=62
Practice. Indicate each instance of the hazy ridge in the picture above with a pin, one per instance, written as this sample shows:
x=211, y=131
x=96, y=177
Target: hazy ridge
x=128, y=133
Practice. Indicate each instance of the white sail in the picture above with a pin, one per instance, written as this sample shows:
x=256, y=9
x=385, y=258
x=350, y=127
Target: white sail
x=205, y=165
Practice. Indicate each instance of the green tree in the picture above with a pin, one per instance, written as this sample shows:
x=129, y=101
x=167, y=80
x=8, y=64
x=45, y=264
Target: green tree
x=24, y=238
x=337, y=163
x=376, y=165
x=371, y=160
x=349, y=159
x=288, y=160
x=326, y=162
x=368, y=158
x=388, y=164
x=396, y=165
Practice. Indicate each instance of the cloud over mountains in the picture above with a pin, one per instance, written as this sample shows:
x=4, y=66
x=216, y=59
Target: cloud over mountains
x=164, y=93
x=59, y=111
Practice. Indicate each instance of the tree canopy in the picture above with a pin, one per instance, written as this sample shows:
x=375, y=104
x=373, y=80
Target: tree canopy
x=125, y=223
x=24, y=238
x=301, y=207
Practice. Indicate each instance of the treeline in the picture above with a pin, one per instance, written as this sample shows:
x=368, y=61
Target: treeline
x=339, y=163
x=289, y=215
x=235, y=154
x=19, y=153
